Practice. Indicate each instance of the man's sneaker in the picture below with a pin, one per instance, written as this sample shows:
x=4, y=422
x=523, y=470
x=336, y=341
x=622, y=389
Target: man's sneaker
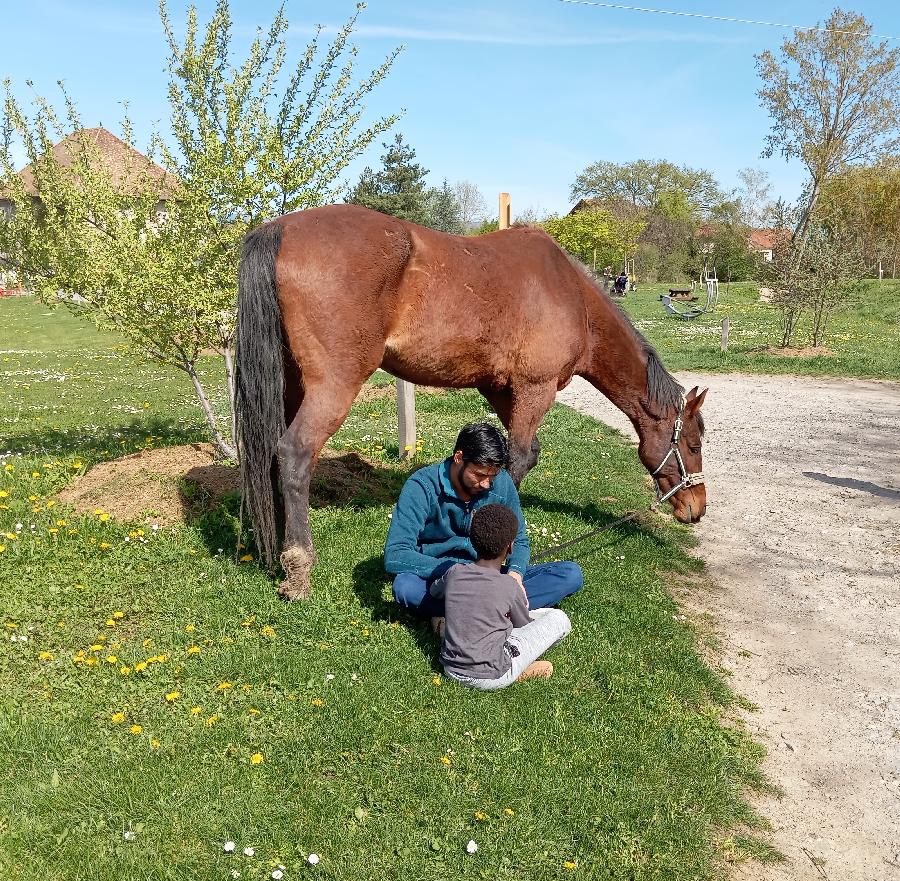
x=537, y=670
x=437, y=625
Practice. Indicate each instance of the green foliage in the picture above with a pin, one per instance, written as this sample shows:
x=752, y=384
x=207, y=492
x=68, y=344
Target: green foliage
x=644, y=182
x=250, y=140
x=584, y=231
x=443, y=209
x=834, y=98
x=487, y=226
x=398, y=188
x=724, y=249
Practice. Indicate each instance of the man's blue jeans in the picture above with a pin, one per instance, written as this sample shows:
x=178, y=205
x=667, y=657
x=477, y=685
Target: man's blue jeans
x=545, y=584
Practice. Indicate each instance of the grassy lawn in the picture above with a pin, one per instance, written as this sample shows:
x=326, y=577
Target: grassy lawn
x=864, y=341
x=157, y=700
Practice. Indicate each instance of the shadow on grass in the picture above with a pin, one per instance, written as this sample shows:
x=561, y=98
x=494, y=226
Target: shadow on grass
x=369, y=580
x=106, y=442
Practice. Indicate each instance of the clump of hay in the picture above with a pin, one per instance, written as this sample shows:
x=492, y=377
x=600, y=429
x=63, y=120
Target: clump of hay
x=175, y=484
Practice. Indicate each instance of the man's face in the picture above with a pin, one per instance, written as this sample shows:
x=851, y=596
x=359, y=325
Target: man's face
x=474, y=479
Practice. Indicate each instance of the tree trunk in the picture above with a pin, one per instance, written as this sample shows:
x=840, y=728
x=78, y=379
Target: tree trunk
x=229, y=375
x=219, y=442
x=803, y=223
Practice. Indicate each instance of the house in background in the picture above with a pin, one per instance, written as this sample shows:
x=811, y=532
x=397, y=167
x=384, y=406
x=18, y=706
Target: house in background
x=126, y=166
x=763, y=241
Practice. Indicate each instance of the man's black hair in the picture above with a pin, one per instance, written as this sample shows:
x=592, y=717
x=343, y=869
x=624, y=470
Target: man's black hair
x=492, y=531
x=483, y=444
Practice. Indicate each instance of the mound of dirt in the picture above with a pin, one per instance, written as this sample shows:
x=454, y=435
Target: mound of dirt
x=800, y=352
x=174, y=484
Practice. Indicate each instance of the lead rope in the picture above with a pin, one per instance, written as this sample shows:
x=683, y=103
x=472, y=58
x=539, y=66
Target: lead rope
x=686, y=481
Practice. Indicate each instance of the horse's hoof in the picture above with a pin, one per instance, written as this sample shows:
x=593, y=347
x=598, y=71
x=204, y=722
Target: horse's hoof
x=297, y=564
x=292, y=592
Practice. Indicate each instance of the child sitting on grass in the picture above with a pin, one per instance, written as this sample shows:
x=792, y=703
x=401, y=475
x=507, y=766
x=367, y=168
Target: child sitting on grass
x=490, y=640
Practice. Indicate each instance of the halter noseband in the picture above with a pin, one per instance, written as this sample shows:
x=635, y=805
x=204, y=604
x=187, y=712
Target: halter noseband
x=687, y=479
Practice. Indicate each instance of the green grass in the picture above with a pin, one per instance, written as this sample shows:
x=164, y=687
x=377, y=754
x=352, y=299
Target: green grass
x=626, y=765
x=864, y=340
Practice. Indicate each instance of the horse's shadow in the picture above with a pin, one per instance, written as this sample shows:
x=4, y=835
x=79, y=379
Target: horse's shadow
x=369, y=581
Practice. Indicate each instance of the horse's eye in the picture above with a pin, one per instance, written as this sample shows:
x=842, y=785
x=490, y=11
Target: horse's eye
x=694, y=449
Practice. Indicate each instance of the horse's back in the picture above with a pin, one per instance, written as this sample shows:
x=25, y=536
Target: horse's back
x=433, y=307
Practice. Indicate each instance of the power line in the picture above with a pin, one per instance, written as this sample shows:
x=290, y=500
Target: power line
x=771, y=24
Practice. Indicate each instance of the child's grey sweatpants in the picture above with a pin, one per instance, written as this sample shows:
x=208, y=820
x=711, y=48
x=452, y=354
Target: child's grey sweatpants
x=547, y=627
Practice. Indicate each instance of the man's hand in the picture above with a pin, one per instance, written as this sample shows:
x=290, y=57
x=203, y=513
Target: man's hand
x=518, y=577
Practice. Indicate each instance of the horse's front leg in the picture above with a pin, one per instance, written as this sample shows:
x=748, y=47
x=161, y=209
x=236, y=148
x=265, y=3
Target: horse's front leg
x=529, y=404
x=323, y=410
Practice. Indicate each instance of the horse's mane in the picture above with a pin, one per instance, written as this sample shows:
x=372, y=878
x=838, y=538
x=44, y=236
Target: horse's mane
x=662, y=388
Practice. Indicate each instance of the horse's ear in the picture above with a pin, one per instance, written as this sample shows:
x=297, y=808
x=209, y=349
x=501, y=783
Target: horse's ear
x=694, y=401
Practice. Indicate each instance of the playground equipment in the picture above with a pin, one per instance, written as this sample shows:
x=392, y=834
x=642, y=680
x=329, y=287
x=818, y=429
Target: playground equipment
x=684, y=295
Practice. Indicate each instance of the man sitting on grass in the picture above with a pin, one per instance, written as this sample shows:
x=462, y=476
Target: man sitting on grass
x=429, y=529
x=490, y=640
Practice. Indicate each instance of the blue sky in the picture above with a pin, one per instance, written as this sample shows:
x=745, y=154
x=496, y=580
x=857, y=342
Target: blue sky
x=514, y=95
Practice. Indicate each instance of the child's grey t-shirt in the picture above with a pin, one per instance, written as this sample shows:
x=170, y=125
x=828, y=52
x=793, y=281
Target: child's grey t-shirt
x=481, y=607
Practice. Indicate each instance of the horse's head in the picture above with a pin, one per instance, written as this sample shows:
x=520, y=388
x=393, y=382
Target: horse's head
x=670, y=450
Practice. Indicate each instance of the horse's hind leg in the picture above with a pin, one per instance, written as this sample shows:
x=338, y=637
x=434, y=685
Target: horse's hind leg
x=325, y=406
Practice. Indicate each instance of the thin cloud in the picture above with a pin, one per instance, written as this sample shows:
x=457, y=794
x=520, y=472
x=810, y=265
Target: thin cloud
x=395, y=32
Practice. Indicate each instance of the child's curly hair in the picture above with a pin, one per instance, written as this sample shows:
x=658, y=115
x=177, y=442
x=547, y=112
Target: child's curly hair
x=492, y=531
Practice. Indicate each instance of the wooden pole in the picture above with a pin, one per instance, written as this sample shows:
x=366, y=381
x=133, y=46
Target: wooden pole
x=406, y=418
x=505, y=216
x=724, y=334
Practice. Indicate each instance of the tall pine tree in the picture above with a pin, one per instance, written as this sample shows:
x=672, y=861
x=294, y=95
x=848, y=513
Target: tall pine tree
x=398, y=188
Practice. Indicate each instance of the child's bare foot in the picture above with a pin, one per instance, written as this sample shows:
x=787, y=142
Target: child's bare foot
x=537, y=670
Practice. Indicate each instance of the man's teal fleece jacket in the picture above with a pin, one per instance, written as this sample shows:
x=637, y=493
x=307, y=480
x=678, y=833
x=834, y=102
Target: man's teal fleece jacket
x=430, y=525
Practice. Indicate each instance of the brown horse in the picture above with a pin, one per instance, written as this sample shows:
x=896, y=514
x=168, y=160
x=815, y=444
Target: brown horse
x=329, y=295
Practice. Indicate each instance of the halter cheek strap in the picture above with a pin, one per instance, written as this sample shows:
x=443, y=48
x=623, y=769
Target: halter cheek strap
x=687, y=479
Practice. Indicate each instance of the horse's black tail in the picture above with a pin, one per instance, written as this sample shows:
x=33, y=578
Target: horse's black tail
x=259, y=384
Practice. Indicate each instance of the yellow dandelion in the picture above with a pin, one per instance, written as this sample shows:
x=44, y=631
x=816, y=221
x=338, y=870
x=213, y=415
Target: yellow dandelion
x=154, y=743
x=117, y=717
x=253, y=711
x=118, y=616
x=173, y=696
x=509, y=812
x=110, y=622
x=2, y=548
x=445, y=760
x=256, y=759
x=481, y=816
x=195, y=711
x=268, y=632
x=11, y=536
x=223, y=686
x=45, y=656
x=147, y=642
x=104, y=545
x=103, y=517
x=140, y=666
x=570, y=865
x=112, y=659
x=248, y=622
x=9, y=467
x=35, y=473
x=317, y=702
x=189, y=628
x=193, y=650
x=11, y=625
x=58, y=522
x=52, y=530
x=96, y=647
x=124, y=670
x=90, y=662
x=77, y=465
x=135, y=729
x=211, y=720
x=3, y=494
x=435, y=680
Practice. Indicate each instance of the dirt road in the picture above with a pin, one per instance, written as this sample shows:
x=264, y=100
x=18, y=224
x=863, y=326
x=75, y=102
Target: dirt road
x=802, y=537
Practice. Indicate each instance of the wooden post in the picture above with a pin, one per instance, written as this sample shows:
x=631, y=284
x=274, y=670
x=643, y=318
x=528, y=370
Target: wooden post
x=406, y=418
x=724, y=334
x=505, y=216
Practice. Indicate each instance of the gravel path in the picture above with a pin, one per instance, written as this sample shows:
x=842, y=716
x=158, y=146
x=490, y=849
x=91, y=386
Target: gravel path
x=802, y=538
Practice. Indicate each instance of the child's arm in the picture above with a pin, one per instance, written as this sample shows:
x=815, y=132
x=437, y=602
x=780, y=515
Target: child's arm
x=518, y=607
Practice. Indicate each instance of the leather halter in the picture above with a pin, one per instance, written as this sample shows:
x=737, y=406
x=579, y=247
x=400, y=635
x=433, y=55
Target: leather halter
x=687, y=479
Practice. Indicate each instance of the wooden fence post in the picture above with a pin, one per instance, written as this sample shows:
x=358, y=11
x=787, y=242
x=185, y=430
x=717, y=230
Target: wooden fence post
x=505, y=217
x=724, y=334
x=406, y=418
